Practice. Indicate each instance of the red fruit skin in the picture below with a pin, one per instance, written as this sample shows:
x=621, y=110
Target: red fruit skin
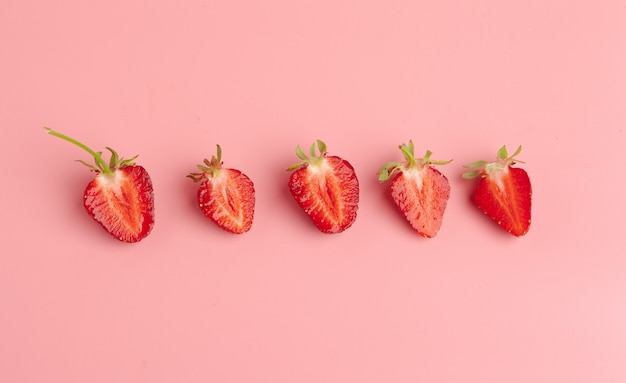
x=328, y=193
x=228, y=200
x=422, y=205
x=508, y=202
x=122, y=203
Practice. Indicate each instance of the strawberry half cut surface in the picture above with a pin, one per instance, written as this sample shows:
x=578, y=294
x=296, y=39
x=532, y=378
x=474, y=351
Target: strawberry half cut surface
x=120, y=198
x=326, y=189
x=503, y=192
x=420, y=191
x=226, y=196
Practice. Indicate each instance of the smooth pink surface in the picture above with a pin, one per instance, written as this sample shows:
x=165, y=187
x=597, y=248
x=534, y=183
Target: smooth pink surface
x=284, y=303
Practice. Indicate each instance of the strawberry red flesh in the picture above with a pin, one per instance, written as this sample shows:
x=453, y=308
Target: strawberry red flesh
x=228, y=200
x=420, y=191
x=422, y=196
x=326, y=189
x=122, y=202
x=328, y=193
x=504, y=192
x=506, y=198
x=225, y=196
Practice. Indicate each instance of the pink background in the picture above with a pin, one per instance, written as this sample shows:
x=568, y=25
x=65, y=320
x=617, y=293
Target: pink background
x=284, y=303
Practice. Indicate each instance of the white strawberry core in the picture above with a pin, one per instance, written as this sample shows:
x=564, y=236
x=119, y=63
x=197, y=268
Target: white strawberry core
x=416, y=175
x=319, y=168
x=112, y=181
x=496, y=171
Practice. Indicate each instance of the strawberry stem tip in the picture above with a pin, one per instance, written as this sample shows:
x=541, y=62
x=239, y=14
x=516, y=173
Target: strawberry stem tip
x=101, y=166
x=313, y=159
x=503, y=160
x=210, y=168
x=389, y=169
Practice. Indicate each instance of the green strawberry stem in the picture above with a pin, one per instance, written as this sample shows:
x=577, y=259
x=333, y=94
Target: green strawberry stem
x=102, y=165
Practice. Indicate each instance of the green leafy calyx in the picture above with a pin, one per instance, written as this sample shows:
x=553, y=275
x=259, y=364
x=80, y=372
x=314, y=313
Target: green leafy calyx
x=388, y=170
x=314, y=159
x=209, y=169
x=503, y=161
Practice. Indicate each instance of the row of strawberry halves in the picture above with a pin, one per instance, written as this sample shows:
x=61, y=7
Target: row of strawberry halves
x=121, y=199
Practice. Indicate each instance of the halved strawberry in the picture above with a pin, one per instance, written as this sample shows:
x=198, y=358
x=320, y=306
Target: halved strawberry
x=419, y=190
x=326, y=188
x=120, y=198
x=226, y=196
x=504, y=192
